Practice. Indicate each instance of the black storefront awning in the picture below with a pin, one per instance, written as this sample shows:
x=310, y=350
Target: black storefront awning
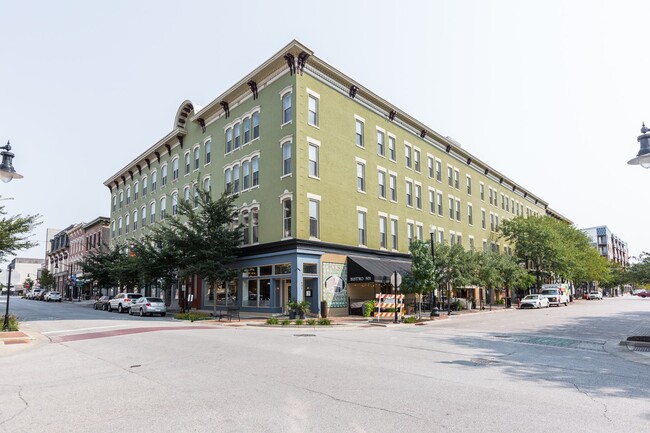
x=374, y=270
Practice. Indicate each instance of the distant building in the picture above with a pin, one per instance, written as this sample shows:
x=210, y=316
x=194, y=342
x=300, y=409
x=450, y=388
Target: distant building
x=610, y=246
x=22, y=269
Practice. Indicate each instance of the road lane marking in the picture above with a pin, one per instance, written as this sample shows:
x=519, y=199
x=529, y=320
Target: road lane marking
x=84, y=329
x=118, y=332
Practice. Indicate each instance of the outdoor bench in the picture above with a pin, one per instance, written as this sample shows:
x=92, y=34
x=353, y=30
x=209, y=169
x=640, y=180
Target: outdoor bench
x=228, y=312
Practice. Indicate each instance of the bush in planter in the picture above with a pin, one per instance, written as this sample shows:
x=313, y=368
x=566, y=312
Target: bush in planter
x=311, y=322
x=272, y=321
x=302, y=308
x=324, y=321
x=368, y=308
x=285, y=322
x=299, y=322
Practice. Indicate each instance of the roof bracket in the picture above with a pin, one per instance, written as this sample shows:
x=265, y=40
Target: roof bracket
x=253, y=85
x=291, y=63
x=202, y=124
x=302, y=59
x=391, y=115
x=353, y=91
x=226, y=108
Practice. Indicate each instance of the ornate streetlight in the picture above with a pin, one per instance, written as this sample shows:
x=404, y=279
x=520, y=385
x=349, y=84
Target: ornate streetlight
x=7, y=171
x=643, y=157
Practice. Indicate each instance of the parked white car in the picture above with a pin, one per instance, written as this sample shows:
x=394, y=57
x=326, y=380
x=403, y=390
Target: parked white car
x=148, y=306
x=123, y=302
x=595, y=294
x=34, y=294
x=534, y=301
x=555, y=296
x=53, y=296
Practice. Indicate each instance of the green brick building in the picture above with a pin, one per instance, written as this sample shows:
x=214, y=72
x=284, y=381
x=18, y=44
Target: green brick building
x=333, y=182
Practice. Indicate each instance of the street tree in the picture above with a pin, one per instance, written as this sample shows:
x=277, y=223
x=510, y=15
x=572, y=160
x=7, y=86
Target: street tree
x=452, y=268
x=639, y=272
x=46, y=279
x=203, y=238
x=421, y=279
x=15, y=232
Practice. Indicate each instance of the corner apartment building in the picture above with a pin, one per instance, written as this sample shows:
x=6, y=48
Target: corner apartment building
x=333, y=184
x=610, y=246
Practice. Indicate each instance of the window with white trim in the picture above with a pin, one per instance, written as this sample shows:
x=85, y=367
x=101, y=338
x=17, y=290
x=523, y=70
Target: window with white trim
x=144, y=186
x=286, y=158
x=409, y=193
x=152, y=212
x=246, y=175
x=382, y=231
x=416, y=159
x=237, y=134
x=381, y=147
x=174, y=204
x=359, y=133
x=361, y=177
x=314, y=218
x=154, y=180
x=174, y=169
x=163, y=175
x=143, y=213
x=407, y=155
x=418, y=196
x=393, y=234
x=163, y=208
x=361, y=226
x=235, y=178
x=208, y=151
x=286, y=218
x=312, y=113
x=136, y=190
x=391, y=148
x=135, y=220
x=313, y=160
x=255, y=162
x=392, y=179
x=187, y=163
x=197, y=157
x=128, y=194
x=381, y=181
x=286, y=108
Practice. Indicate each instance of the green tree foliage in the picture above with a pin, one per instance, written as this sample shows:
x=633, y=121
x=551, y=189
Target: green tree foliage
x=15, y=232
x=453, y=267
x=420, y=280
x=111, y=267
x=639, y=273
x=202, y=238
x=46, y=279
x=554, y=249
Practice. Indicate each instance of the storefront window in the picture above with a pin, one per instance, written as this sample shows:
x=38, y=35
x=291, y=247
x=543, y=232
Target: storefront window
x=266, y=270
x=310, y=268
x=283, y=269
x=265, y=292
x=250, y=294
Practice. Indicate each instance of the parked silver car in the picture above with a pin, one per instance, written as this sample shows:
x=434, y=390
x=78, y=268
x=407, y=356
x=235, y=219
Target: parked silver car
x=148, y=306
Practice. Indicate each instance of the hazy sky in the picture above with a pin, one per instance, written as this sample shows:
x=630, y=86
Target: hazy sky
x=551, y=93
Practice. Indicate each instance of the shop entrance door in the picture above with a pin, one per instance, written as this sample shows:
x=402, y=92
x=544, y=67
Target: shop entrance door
x=285, y=294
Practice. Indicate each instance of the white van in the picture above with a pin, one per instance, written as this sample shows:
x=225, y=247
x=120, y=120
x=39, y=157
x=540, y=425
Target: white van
x=556, y=293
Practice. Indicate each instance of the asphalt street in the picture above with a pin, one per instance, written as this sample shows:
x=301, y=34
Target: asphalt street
x=556, y=369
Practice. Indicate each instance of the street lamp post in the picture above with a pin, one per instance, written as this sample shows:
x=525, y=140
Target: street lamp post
x=5, y=326
x=643, y=157
x=7, y=171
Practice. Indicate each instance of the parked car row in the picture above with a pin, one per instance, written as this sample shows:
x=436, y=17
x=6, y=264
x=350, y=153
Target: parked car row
x=642, y=293
x=133, y=303
x=44, y=295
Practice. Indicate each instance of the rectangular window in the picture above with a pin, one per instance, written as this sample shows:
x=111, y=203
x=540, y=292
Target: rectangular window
x=359, y=133
x=163, y=175
x=286, y=158
x=491, y=221
x=457, y=210
x=382, y=232
x=451, y=207
x=418, y=196
x=438, y=171
x=361, y=224
x=286, y=218
x=154, y=181
x=503, y=203
x=471, y=244
x=313, y=160
x=286, y=108
x=420, y=232
x=432, y=201
x=469, y=185
x=416, y=160
x=197, y=158
x=409, y=233
x=391, y=148
x=456, y=179
x=483, y=218
x=256, y=170
x=430, y=166
x=440, y=204
x=470, y=217
x=144, y=216
x=228, y=141
x=407, y=155
x=381, y=176
x=144, y=186
x=381, y=148
x=313, y=110
x=393, y=187
x=128, y=195
x=255, y=226
x=361, y=176
x=490, y=195
x=136, y=190
x=175, y=169
x=174, y=204
x=481, y=190
x=314, y=218
x=208, y=151
x=135, y=220
x=228, y=175
x=196, y=196
x=247, y=130
x=237, y=129
x=187, y=163
x=256, y=125
x=152, y=213
x=235, y=179
x=246, y=172
x=393, y=233
x=409, y=193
